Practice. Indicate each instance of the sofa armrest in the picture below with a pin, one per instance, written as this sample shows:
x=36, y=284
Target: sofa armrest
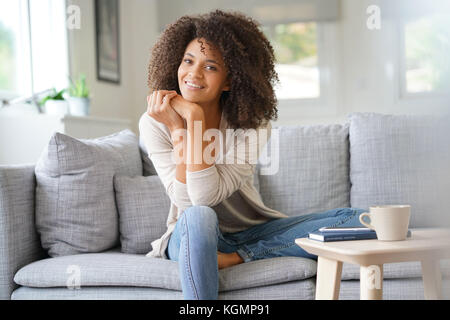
x=19, y=241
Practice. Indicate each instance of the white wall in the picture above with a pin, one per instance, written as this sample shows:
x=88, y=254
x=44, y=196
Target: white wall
x=370, y=65
x=366, y=66
x=367, y=70
x=137, y=34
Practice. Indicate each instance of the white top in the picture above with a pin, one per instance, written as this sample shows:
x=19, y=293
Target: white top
x=227, y=186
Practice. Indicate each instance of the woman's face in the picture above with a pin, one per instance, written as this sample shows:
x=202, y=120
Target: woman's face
x=202, y=76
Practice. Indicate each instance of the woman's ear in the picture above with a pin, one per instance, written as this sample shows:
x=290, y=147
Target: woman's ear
x=227, y=85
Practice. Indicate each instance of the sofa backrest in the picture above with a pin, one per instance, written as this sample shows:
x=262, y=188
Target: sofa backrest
x=313, y=169
x=19, y=241
x=402, y=159
x=323, y=167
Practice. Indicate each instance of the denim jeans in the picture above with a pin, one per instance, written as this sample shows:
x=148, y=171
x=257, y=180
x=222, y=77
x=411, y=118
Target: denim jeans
x=196, y=239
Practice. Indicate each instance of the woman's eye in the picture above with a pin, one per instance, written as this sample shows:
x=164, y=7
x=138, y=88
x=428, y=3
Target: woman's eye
x=189, y=61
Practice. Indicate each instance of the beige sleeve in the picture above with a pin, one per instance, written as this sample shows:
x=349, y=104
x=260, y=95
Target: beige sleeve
x=157, y=141
x=212, y=185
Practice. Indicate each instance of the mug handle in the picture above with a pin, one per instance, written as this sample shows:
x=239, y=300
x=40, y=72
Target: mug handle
x=366, y=214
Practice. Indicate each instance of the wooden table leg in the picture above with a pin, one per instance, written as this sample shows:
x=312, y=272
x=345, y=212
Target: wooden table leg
x=371, y=282
x=328, y=279
x=432, y=279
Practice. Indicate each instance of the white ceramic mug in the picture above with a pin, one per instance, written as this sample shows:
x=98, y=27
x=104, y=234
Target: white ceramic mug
x=390, y=221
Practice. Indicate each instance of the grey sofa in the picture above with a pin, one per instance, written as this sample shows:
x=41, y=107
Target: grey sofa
x=320, y=167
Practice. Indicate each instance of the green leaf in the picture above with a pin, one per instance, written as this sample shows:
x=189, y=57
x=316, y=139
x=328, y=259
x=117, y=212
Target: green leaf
x=79, y=88
x=53, y=96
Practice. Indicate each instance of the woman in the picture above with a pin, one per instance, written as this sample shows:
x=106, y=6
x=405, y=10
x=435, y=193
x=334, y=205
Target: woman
x=216, y=71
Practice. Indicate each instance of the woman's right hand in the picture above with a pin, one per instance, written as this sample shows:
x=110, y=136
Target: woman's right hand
x=159, y=108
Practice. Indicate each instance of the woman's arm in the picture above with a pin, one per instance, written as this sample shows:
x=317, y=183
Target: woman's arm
x=169, y=157
x=196, y=125
x=217, y=182
x=194, y=116
x=160, y=151
x=179, y=141
x=210, y=184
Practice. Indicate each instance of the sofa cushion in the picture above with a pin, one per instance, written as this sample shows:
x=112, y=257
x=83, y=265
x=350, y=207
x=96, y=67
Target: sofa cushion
x=398, y=270
x=143, y=206
x=313, y=169
x=120, y=269
x=393, y=289
x=402, y=159
x=75, y=204
x=147, y=164
x=293, y=290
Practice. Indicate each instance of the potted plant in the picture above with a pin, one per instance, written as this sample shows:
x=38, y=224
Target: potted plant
x=54, y=103
x=78, y=98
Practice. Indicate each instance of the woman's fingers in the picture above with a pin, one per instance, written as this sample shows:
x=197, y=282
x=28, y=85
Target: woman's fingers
x=168, y=97
x=158, y=100
x=152, y=101
x=160, y=109
x=149, y=103
x=163, y=97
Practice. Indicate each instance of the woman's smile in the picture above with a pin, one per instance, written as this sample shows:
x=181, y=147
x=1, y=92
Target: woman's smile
x=193, y=85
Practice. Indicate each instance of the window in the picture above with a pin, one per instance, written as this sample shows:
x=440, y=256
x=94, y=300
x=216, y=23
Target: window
x=14, y=49
x=304, y=35
x=426, y=63
x=33, y=47
x=295, y=47
x=306, y=64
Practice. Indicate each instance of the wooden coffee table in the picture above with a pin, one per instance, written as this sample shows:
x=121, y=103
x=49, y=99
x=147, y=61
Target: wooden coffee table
x=427, y=245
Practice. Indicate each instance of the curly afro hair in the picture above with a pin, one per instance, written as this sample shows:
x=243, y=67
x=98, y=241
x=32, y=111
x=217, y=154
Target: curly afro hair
x=247, y=54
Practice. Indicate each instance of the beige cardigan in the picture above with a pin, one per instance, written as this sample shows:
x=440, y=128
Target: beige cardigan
x=212, y=186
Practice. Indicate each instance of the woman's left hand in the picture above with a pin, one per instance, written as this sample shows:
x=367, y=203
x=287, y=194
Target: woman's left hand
x=183, y=107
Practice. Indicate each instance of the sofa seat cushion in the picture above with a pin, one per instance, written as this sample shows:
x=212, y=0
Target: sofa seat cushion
x=121, y=269
x=399, y=270
x=294, y=290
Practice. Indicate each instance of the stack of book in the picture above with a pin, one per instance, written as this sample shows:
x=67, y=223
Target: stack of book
x=342, y=234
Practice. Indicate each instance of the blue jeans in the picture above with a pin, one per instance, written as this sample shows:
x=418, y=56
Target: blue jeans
x=196, y=239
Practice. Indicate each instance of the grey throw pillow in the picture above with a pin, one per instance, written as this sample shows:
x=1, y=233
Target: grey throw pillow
x=402, y=159
x=143, y=207
x=75, y=204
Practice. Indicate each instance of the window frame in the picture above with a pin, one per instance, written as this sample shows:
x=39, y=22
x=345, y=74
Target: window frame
x=25, y=65
x=327, y=61
x=26, y=62
x=403, y=94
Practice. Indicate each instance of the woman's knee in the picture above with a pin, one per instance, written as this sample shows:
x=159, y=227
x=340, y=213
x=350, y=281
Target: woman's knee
x=201, y=219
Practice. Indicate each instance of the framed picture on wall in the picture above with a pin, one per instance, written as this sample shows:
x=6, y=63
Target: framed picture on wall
x=107, y=40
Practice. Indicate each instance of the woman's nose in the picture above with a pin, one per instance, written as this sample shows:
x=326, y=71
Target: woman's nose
x=195, y=71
